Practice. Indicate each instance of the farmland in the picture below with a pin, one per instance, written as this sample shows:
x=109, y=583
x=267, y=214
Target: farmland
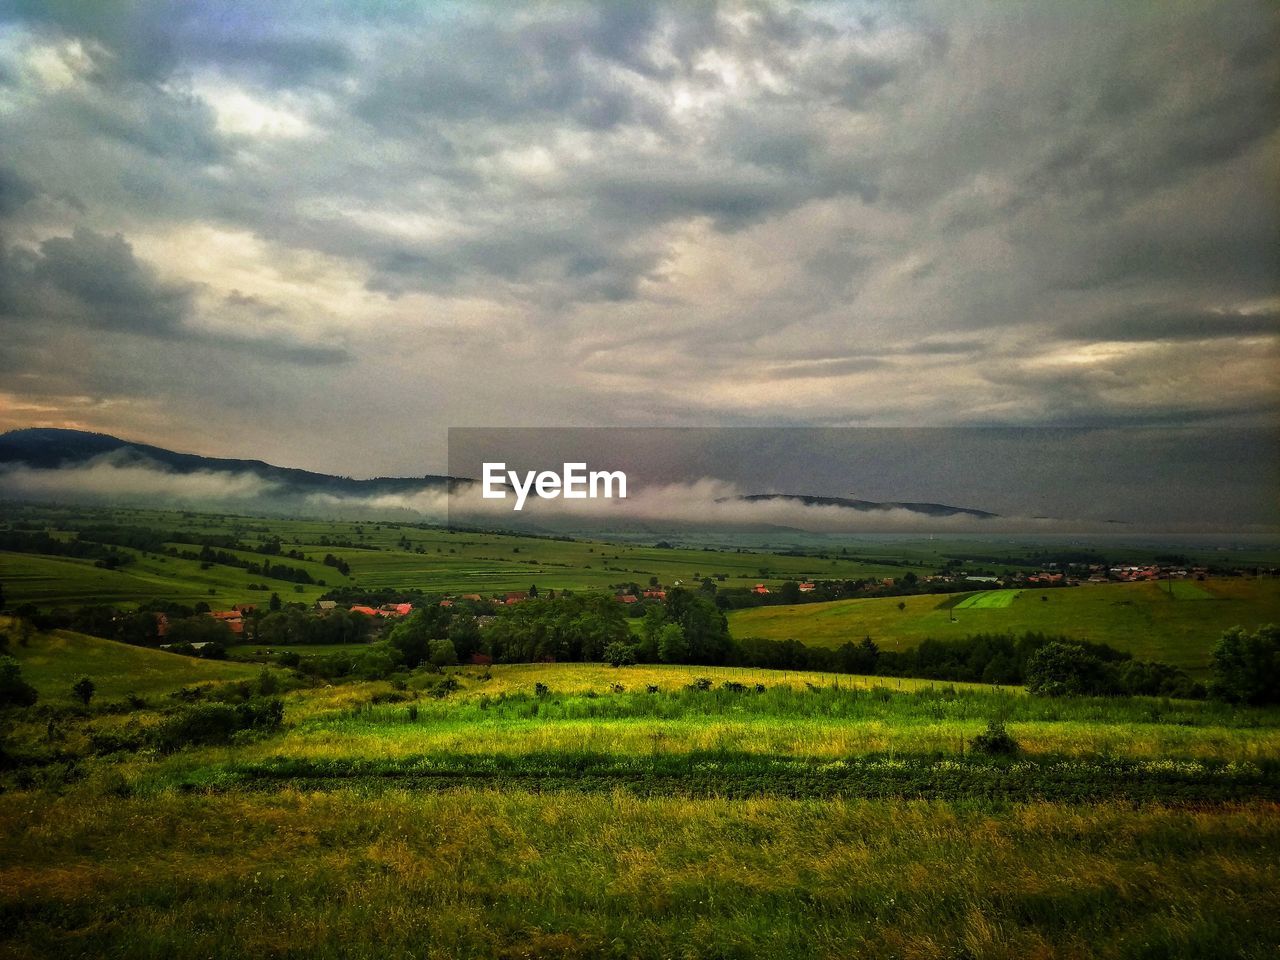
x=580, y=810
x=1138, y=617
x=199, y=808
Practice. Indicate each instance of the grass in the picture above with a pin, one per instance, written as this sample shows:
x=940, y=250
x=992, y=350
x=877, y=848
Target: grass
x=509, y=873
x=827, y=816
x=1138, y=617
x=988, y=600
x=53, y=662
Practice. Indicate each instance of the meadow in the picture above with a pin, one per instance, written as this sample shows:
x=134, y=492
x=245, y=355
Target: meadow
x=1142, y=618
x=583, y=810
x=534, y=810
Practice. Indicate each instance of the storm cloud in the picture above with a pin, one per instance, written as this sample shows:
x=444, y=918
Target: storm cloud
x=321, y=234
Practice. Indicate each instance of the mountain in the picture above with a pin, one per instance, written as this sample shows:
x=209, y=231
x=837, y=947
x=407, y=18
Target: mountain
x=50, y=449
x=868, y=506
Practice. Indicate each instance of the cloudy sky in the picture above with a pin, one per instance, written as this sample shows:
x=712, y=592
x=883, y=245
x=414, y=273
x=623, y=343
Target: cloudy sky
x=320, y=234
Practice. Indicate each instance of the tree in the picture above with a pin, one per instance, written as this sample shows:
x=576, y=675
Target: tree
x=789, y=592
x=14, y=691
x=82, y=690
x=533, y=589
x=672, y=646
x=619, y=654
x=1065, y=669
x=1246, y=666
x=275, y=601
x=442, y=653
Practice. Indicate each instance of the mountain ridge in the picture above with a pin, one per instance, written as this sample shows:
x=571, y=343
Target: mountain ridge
x=54, y=448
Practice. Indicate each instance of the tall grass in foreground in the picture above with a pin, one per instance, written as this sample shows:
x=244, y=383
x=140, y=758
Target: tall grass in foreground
x=486, y=873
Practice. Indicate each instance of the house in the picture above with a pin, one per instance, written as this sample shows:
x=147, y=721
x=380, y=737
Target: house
x=472, y=596
x=626, y=598
x=367, y=611
x=655, y=594
x=395, y=610
x=446, y=602
x=807, y=587
x=513, y=598
x=760, y=588
x=326, y=605
x=230, y=617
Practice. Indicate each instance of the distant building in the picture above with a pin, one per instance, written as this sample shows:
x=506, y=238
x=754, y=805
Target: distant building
x=807, y=587
x=760, y=588
x=326, y=605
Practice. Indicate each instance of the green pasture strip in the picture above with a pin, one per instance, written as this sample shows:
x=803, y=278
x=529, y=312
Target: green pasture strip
x=53, y=662
x=1065, y=779
x=471, y=873
x=1138, y=617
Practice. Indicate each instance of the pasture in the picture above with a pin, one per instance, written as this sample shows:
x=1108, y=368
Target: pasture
x=52, y=662
x=1139, y=617
x=584, y=810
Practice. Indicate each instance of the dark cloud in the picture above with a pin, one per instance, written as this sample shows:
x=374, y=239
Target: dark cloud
x=1176, y=323
x=89, y=280
x=722, y=212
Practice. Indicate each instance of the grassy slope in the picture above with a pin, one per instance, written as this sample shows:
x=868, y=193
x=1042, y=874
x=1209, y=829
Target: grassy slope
x=209, y=853
x=1139, y=617
x=53, y=662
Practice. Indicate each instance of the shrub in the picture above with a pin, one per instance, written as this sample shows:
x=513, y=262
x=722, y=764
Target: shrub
x=82, y=690
x=1246, y=666
x=14, y=691
x=215, y=723
x=701, y=683
x=540, y=689
x=1065, y=669
x=619, y=654
x=995, y=740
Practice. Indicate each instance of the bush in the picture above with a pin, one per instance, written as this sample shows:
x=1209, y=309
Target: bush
x=1065, y=669
x=701, y=683
x=540, y=689
x=620, y=654
x=1246, y=666
x=216, y=723
x=82, y=690
x=14, y=691
x=995, y=740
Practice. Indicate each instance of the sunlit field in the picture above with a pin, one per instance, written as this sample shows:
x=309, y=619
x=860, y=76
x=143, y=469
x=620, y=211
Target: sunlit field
x=1142, y=618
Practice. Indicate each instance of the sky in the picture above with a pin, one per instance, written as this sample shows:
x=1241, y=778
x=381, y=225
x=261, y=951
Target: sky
x=322, y=234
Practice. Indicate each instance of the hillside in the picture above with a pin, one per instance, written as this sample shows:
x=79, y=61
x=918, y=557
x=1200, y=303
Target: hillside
x=1138, y=617
x=53, y=662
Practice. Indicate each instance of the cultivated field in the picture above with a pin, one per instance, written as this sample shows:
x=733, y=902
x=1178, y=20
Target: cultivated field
x=621, y=812
x=1139, y=617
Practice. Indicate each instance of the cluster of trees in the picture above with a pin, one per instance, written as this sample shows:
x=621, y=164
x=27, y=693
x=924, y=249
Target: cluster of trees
x=1070, y=668
x=283, y=627
x=1246, y=666
x=41, y=542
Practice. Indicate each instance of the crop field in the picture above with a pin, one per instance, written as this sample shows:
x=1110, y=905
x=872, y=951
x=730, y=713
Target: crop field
x=988, y=600
x=584, y=810
x=1139, y=617
x=399, y=556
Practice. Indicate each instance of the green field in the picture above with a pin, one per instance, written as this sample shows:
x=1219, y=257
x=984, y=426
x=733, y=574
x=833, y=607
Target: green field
x=53, y=662
x=399, y=556
x=988, y=600
x=580, y=810
x=623, y=813
x=1138, y=617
